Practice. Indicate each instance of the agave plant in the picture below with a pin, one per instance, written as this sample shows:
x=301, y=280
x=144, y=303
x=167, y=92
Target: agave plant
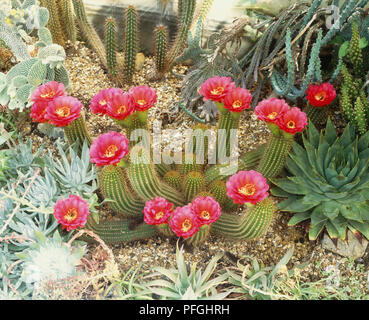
x=328, y=183
x=183, y=286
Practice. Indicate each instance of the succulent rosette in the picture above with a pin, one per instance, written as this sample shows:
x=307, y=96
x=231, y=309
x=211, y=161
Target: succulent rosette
x=48, y=91
x=206, y=209
x=271, y=110
x=120, y=106
x=109, y=149
x=321, y=95
x=293, y=121
x=237, y=100
x=38, y=111
x=184, y=222
x=157, y=211
x=216, y=88
x=61, y=111
x=247, y=187
x=144, y=97
x=99, y=102
x=71, y=213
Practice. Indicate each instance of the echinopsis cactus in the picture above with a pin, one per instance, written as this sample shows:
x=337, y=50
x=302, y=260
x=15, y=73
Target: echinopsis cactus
x=189, y=199
x=130, y=42
x=111, y=45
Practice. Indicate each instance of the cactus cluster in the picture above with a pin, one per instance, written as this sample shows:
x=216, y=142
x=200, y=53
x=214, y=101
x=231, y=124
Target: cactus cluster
x=353, y=101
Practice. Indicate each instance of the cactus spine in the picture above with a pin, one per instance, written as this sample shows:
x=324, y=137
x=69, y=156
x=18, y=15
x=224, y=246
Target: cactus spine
x=252, y=225
x=316, y=115
x=161, y=46
x=200, y=236
x=77, y=131
x=219, y=190
x=54, y=24
x=130, y=42
x=360, y=116
x=193, y=183
x=111, y=45
x=355, y=55
x=228, y=121
x=67, y=21
x=174, y=179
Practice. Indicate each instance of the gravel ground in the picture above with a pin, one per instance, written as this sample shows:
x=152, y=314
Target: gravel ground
x=87, y=78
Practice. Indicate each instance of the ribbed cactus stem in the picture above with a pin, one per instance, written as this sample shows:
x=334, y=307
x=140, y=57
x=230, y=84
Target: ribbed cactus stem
x=355, y=53
x=219, y=190
x=111, y=45
x=67, y=20
x=230, y=206
x=174, y=179
x=316, y=115
x=88, y=32
x=228, y=121
x=77, y=130
x=360, y=117
x=346, y=106
x=186, y=13
x=275, y=156
x=113, y=184
x=193, y=183
x=189, y=165
x=161, y=47
x=54, y=24
x=130, y=42
x=165, y=230
x=200, y=236
x=112, y=232
x=251, y=226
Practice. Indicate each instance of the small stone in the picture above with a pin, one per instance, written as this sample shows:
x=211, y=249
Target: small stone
x=350, y=248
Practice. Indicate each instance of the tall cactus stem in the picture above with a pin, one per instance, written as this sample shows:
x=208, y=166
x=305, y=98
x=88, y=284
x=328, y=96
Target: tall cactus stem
x=317, y=115
x=77, y=130
x=54, y=24
x=161, y=47
x=193, y=183
x=200, y=236
x=111, y=45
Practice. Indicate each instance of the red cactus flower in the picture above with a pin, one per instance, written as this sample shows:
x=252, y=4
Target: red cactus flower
x=216, y=88
x=321, y=95
x=144, y=97
x=71, y=213
x=48, y=91
x=184, y=222
x=237, y=100
x=271, y=110
x=293, y=121
x=38, y=111
x=247, y=187
x=206, y=209
x=120, y=106
x=100, y=101
x=157, y=211
x=108, y=149
x=63, y=110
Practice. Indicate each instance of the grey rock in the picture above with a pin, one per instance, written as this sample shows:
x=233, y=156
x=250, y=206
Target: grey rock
x=350, y=248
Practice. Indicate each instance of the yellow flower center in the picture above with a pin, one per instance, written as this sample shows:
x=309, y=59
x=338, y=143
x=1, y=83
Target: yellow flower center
x=111, y=150
x=71, y=214
x=141, y=102
x=159, y=215
x=237, y=104
x=102, y=102
x=49, y=94
x=186, y=225
x=122, y=109
x=63, y=111
x=205, y=215
x=321, y=96
x=217, y=91
x=272, y=115
x=247, y=190
x=291, y=124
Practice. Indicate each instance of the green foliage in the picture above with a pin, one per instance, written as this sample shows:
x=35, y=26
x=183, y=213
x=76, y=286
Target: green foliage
x=130, y=42
x=328, y=183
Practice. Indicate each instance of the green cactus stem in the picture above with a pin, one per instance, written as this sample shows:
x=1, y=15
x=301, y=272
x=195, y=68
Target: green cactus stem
x=275, y=155
x=189, y=166
x=316, y=115
x=346, y=106
x=228, y=121
x=113, y=185
x=130, y=42
x=193, y=183
x=54, y=24
x=67, y=20
x=112, y=232
x=161, y=47
x=252, y=225
x=77, y=130
x=200, y=236
x=165, y=230
x=355, y=54
x=360, y=117
x=111, y=45
x=230, y=206
x=219, y=190
x=174, y=179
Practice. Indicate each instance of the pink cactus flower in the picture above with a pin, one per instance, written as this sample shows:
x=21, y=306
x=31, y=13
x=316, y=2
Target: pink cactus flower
x=120, y=106
x=206, y=209
x=237, y=100
x=293, y=121
x=247, y=187
x=321, y=95
x=184, y=222
x=216, y=88
x=38, y=111
x=144, y=97
x=63, y=110
x=108, y=149
x=48, y=91
x=71, y=213
x=100, y=101
x=271, y=110
x=157, y=211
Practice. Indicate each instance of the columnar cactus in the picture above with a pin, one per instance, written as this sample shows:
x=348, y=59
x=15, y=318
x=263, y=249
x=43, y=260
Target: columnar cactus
x=111, y=45
x=54, y=23
x=130, y=42
x=67, y=20
x=161, y=47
